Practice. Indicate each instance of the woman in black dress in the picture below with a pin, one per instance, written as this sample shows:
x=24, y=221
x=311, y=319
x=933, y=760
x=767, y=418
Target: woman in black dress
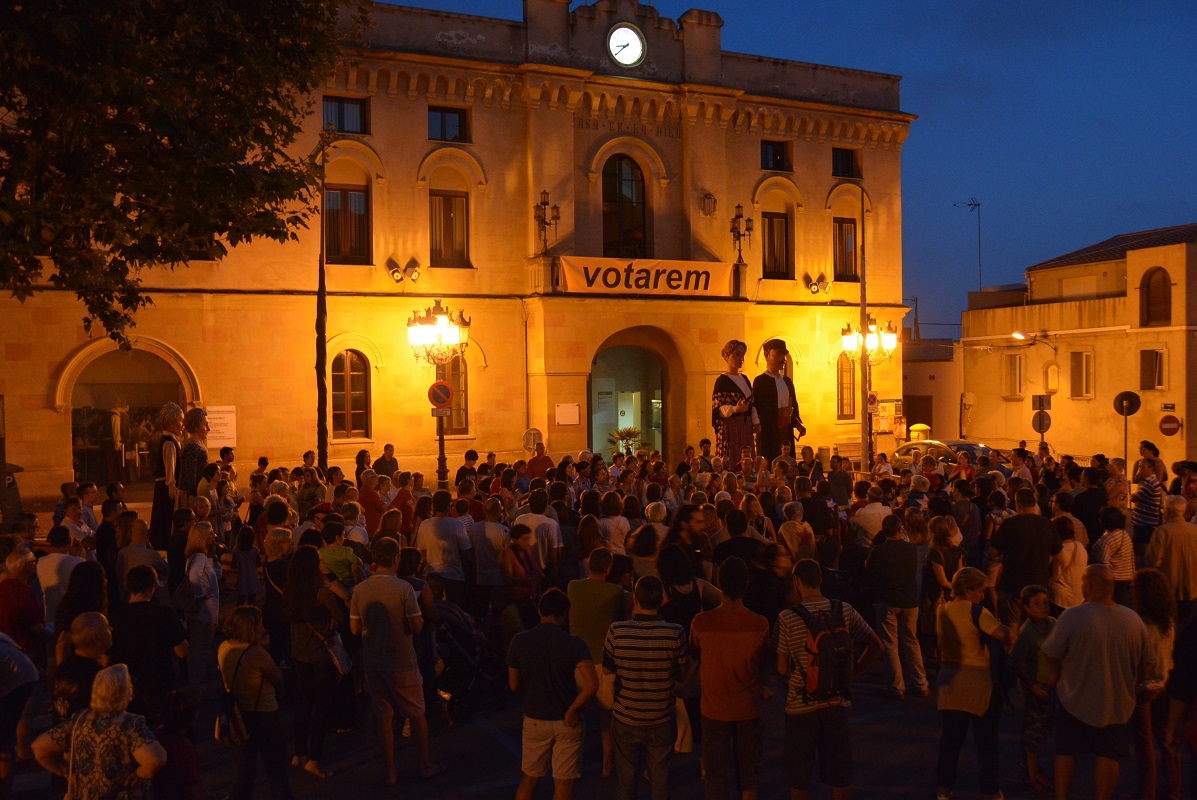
x=166, y=475
x=194, y=458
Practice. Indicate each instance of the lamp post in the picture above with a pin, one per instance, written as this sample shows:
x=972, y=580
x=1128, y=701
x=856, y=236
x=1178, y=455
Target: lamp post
x=866, y=428
x=438, y=336
x=741, y=229
x=547, y=218
x=1033, y=339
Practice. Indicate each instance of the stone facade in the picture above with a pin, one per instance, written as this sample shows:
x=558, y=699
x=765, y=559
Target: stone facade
x=546, y=108
x=1117, y=316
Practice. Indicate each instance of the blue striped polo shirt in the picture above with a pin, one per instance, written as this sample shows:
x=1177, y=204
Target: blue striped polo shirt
x=644, y=653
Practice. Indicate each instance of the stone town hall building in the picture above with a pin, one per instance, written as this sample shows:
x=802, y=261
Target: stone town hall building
x=641, y=129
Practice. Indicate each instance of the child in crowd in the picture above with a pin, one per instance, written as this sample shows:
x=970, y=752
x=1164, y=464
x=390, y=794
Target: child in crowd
x=796, y=534
x=1116, y=549
x=337, y=557
x=246, y=560
x=1039, y=699
x=462, y=509
x=355, y=524
x=224, y=509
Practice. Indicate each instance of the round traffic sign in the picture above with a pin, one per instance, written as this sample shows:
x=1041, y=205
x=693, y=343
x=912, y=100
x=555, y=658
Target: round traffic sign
x=1169, y=425
x=440, y=394
x=1041, y=422
x=1127, y=403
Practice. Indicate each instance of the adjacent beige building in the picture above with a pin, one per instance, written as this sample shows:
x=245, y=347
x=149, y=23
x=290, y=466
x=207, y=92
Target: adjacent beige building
x=1116, y=316
x=645, y=135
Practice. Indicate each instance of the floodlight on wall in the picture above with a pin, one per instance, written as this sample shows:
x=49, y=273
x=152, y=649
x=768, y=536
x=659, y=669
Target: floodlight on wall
x=399, y=274
x=816, y=285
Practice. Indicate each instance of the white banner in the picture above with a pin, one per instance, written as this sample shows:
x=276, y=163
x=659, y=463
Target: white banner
x=646, y=276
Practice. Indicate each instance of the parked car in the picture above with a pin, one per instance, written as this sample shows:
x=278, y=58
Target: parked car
x=945, y=451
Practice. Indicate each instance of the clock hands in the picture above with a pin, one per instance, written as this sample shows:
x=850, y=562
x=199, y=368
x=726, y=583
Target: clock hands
x=621, y=48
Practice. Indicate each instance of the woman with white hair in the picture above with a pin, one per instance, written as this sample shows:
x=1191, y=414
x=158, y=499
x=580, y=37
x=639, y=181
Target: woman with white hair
x=103, y=750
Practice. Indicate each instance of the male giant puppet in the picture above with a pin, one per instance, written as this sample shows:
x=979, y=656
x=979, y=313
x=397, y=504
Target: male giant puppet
x=776, y=403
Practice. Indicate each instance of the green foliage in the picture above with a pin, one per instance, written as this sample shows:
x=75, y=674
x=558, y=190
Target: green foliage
x=625, y=440
x=138, y=133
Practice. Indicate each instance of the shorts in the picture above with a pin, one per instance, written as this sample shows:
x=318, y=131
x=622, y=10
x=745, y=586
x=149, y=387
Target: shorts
x=1075, y=738
x=548, y=741
x=396, y=694
x=822, y=733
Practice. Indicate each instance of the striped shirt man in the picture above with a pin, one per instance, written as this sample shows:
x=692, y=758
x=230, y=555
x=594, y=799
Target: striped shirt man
x=1148, y=500
x=645, y=653
x=1116, y=550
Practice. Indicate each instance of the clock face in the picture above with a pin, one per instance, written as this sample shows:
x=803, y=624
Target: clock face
x=626, y=45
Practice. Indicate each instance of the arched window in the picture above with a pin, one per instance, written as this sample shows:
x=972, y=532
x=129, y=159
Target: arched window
x=454, y=373
x=350, y=396
x=845, y=388
x=625, y=229
x=1155, y=298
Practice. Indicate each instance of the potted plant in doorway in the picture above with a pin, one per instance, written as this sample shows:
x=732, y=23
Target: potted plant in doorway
x=625, y=440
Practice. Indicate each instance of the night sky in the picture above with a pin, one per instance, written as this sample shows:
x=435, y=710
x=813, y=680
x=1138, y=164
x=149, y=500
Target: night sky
x=1069, y=121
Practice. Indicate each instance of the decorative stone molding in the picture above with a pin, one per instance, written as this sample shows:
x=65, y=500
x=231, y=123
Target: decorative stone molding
x=782, y=183
x=456, y=157
x=647, y=155
x=354, y=341
x=64, y=384
x=851, y=189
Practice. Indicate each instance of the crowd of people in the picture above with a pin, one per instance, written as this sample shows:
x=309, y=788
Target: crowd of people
x=665, y=602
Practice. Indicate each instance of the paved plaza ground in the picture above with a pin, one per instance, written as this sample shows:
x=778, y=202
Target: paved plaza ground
x=894, y=743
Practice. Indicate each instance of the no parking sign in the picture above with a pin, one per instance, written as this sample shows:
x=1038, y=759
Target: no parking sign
x=440, y=394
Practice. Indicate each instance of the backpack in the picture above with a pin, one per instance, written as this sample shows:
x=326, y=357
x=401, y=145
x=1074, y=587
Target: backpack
x=830, y=661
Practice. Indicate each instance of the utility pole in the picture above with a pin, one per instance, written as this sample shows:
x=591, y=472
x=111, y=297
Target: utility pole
x=322, y=324
x=866, y=425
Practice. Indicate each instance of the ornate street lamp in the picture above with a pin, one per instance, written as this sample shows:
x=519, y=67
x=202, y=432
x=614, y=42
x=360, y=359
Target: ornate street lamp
x=877, y=345
x=437, y=336
x=741, y=229
x=547, y=217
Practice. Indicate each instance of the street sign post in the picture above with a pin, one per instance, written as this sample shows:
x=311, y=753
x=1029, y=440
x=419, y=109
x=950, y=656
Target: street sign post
x=440, y=394
x=1125, y=404
x=1040, y=422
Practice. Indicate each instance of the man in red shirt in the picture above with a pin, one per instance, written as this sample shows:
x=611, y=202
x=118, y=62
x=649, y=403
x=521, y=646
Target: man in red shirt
x=539, y=464
x=371, y=501
x=730, y=642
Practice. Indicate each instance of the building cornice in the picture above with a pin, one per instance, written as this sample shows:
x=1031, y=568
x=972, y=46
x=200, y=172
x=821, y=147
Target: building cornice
x=464, y=82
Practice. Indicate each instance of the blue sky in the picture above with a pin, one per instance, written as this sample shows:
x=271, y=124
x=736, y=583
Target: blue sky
x=1069, y=121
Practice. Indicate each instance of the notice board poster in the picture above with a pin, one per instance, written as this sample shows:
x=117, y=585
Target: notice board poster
x=222, y=422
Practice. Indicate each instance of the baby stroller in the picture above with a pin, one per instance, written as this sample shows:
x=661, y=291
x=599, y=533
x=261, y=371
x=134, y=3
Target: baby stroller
x=469, y=677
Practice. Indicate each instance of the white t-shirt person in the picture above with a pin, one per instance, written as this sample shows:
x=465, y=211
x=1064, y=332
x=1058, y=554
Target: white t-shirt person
x=442, y=540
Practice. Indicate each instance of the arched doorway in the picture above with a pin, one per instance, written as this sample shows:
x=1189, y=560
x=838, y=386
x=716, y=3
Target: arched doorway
x=625, y=392
x=113, y=405
x=637, y=380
